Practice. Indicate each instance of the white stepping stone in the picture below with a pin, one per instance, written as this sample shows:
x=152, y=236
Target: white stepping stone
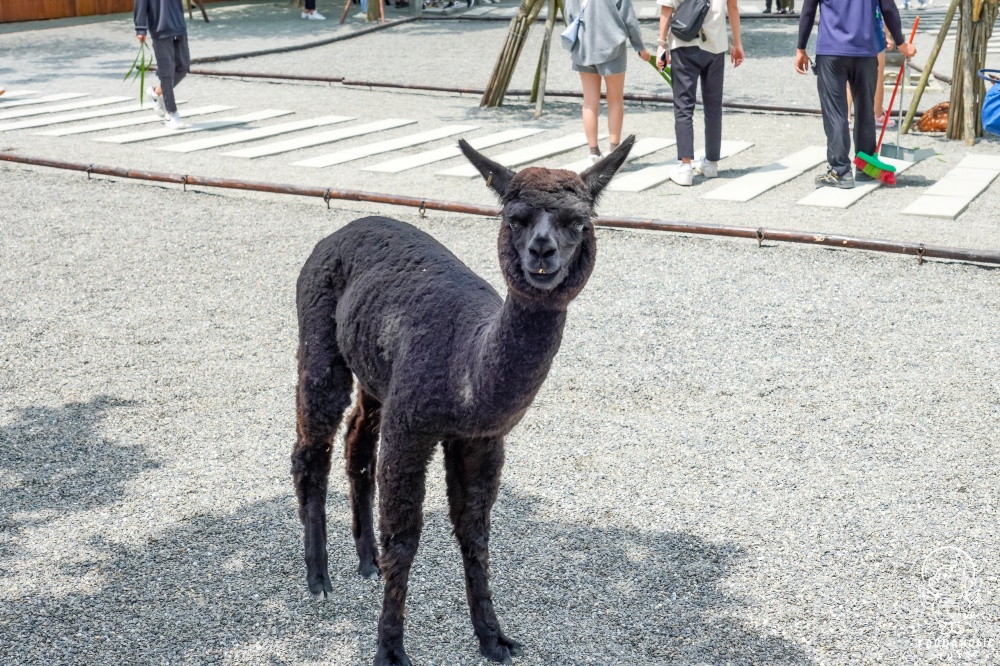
x=641, y=148
x=384, y=146
x=17, y=94
x=478, y=11
x=525, y=155
x=447, y=152
x=195, y=127
x=73, y=117
x=24, y=113
x=949, y=197
x=756, y=183
x=832, y=197
x=131, y=122
x=320, y=139
x=649, y=12
x=252, y=134
x=643, y=179
x=4, y=104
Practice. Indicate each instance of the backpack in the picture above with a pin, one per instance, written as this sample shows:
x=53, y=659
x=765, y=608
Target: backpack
x=686, y=21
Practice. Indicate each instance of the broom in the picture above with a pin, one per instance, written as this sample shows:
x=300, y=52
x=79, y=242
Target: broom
x=871, y=164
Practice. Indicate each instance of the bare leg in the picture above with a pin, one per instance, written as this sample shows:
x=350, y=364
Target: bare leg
x=360, y=453
x=591, y=84
x=472, y=472
x=402, y=469
x=324, y=393
x=880, y=90
x=615, y=93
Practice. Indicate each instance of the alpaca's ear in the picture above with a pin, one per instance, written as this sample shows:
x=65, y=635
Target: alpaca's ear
x=597, y=177
x=497, y=176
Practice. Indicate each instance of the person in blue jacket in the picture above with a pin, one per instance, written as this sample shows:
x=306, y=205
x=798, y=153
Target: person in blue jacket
x=847, y=55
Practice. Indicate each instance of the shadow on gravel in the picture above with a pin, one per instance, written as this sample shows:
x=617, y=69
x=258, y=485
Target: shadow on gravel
x=234, y=584
x=54, y=461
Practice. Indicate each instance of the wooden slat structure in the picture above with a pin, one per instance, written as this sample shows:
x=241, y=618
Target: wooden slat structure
x=34, y=10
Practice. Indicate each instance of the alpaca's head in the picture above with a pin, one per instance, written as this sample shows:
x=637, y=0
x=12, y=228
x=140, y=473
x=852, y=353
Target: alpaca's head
x=547, y=244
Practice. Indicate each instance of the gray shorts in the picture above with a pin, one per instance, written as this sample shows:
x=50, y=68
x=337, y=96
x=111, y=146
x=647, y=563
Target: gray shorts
x=616, y=66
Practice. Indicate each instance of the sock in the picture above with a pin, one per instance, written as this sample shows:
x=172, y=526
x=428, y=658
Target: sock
x=614, y=146
x=595, y=150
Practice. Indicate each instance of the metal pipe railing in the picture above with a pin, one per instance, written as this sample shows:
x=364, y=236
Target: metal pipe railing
x=760, y=234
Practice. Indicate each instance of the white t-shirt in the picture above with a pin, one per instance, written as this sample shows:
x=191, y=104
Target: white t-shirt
x=714, y=27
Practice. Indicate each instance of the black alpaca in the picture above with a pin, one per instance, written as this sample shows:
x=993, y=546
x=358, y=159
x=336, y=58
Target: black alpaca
x=439, y=357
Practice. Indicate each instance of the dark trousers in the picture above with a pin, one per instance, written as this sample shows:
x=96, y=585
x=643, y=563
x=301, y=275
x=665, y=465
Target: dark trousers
x=173, y=61
x=688, y=65
x=835, y=74
x=767, y=5
x=310, y=5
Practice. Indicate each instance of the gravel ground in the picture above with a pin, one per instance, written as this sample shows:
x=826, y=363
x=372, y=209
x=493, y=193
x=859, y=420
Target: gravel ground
x=777, y=456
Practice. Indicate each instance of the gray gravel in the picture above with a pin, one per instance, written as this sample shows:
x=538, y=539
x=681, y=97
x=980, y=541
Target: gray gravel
x=741, y=456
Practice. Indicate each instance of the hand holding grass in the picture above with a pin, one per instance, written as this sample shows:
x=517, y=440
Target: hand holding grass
x=142, y=63
x=664, y=71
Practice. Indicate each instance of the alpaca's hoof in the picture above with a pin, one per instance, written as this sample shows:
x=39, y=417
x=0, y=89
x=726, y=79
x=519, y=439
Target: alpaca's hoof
x=501, y=650
x=319, y=586
x=369, y=570
x=386, y=656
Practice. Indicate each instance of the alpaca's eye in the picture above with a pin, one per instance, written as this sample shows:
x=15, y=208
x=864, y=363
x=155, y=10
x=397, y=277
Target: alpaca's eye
x=579, y=226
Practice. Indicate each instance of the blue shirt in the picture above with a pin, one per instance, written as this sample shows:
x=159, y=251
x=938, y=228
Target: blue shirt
x=846, y=27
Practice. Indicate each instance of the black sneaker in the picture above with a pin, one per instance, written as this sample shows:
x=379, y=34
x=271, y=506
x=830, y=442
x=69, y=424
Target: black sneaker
x=831, y=179
x=862, y=177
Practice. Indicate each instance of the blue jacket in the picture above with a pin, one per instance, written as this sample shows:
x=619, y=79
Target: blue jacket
x=847, y=27
x=159, y=18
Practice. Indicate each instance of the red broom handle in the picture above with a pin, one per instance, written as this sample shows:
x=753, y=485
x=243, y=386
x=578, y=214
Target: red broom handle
x=895, y=89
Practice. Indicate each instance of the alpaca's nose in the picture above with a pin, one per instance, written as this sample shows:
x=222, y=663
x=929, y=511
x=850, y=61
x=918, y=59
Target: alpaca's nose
x=542, y=247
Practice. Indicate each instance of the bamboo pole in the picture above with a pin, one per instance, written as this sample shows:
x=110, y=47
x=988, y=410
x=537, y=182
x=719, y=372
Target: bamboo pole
x=517, y=34
x=929, y=65
x=968, y=92
x=538, y=90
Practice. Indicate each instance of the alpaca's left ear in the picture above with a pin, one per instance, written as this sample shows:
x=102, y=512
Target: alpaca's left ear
x=497, y=176
x=597, y=177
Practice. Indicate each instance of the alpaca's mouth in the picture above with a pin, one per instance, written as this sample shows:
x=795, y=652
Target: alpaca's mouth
x=543, y=278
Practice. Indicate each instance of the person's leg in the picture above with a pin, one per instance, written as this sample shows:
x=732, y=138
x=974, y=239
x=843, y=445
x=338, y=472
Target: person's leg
x=767, y=6
x=614, y=86
x=182, y=59
x=685, y=88
x=880, y=86
x=310, y=6
x=832, y=85
x=862, y=74
x=591, y=84
x=163, y=51
x=713, y=70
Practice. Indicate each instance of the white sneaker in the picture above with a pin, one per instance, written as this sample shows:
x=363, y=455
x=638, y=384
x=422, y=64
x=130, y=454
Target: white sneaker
x=174, y=121
x=707, y=169
x=594, y=159
x=683, y=174
x=161, y=107
x=313, y=16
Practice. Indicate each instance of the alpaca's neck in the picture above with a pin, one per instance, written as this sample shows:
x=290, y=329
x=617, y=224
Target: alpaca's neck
x=515, y=353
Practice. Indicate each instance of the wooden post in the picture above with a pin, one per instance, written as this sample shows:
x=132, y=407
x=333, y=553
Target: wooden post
x=968, y=83
x=538, y=90
x=931, y=60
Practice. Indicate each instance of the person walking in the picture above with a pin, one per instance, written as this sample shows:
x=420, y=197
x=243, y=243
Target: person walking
x=163, y=21
x=847, y=55
x=702, y=59
x=601, y=50
x=310, y=12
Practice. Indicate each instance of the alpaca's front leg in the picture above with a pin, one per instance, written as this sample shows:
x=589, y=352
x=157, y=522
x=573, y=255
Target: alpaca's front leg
x=402, y=469
x=472, y=472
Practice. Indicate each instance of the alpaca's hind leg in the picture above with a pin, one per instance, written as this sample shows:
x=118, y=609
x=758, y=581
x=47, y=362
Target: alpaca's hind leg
x=360, y=453
x=402, y=468
x=324, y=393
x=472, y=472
